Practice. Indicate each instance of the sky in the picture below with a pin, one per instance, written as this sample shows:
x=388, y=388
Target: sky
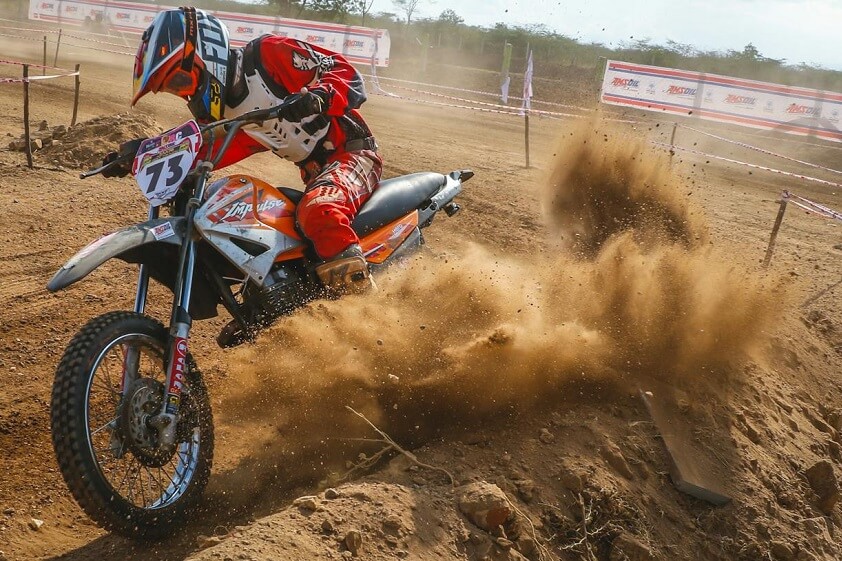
x=808, y=31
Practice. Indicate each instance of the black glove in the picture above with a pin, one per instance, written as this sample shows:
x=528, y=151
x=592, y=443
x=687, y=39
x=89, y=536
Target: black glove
x=301, y=106
x=126, y=152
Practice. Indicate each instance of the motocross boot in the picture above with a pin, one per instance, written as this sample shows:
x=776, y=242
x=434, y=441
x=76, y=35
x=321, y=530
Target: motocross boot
x=347, y=273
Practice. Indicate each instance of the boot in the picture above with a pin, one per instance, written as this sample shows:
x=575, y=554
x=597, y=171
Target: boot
x=347, y=273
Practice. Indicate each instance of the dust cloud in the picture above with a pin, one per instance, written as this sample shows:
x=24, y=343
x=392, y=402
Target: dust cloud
x=636, y=292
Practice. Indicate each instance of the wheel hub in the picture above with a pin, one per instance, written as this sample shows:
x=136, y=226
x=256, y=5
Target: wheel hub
x=142, y=402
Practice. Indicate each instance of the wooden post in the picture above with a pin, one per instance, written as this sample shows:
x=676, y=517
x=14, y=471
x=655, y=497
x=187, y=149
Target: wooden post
x=672, y=142
x=526, y=106
x=26, y=138
x=526, y=134
x=775, y=228
x=75, y=98
x=44, y=64
x=58, y=43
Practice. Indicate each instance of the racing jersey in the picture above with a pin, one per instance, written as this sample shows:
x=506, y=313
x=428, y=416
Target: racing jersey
x=270, y=68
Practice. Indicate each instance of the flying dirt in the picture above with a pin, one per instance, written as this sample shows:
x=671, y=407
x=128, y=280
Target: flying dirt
x=451, y=340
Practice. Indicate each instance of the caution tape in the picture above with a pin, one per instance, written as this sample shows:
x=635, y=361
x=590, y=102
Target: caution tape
x=19, y=63
x=758, y=149
x=33, y=78
x=92, y=48
x=755, y=166
x=811, y=206
x=507, y=109
x=477, y=92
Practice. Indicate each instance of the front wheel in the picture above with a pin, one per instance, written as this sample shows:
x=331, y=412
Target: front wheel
x=106, y=450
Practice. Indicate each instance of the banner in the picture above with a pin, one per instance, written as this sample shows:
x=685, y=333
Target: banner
x=527, y=83
x=361, y=45
x=712, y=97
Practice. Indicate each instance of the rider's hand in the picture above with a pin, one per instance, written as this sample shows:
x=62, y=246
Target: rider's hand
x=127, y=149
x=304, y=104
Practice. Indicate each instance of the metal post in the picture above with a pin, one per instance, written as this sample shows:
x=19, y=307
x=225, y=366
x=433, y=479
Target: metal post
x=44, y=64
x=75, y=98
x=58, y=43
x=775, y=228
x=26, y=137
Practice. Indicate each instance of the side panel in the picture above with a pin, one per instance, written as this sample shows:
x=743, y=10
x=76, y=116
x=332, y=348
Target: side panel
x=380, y=244
x=250, y=222
x=161, y=230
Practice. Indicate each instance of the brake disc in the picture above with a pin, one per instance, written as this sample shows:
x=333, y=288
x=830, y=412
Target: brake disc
x=141, y=402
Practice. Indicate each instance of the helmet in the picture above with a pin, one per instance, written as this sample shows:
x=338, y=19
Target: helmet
x=184, y=52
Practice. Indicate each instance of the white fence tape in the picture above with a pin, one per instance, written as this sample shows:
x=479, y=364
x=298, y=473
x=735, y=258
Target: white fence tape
x=755, y=166
x=811, y=206
x=758, y=149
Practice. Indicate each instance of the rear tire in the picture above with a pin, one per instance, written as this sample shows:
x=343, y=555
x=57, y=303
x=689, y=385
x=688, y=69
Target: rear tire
x=90, y=452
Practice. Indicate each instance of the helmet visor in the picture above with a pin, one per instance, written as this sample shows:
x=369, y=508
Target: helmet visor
x=160, y=46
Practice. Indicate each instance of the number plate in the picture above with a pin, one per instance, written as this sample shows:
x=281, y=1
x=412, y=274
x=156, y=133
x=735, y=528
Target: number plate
x=162, y=163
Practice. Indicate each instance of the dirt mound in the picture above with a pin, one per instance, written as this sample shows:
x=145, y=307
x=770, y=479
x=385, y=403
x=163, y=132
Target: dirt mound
x=84, y=144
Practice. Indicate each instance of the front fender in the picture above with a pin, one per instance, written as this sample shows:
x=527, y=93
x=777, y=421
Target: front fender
x=160, y=230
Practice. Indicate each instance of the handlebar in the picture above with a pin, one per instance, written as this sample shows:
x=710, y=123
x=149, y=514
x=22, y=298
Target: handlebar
x=256, y=116
x=121, y=160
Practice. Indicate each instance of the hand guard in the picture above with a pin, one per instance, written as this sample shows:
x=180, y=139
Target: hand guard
x=305, y=104
x=127, y=149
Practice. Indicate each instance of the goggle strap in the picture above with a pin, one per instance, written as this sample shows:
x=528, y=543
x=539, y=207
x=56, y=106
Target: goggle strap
x=191, y=34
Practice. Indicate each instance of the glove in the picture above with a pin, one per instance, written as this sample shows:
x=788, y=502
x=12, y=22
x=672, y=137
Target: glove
x=127, y=149
x=304, y=104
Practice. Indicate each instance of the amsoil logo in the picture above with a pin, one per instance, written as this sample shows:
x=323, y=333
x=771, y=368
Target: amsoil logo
x=796, y=109
x=681, y=90
x=245, y=30
x=123, y=16
x=315, y=39
x=47, y=5
x=741, y=99
x=71, y=9
x=625, y=83
x=354, y=44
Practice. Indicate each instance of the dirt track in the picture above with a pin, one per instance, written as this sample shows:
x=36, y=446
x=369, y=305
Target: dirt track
x=766, y=413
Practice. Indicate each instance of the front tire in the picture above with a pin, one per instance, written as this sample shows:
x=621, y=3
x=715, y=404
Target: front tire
x=102, y=441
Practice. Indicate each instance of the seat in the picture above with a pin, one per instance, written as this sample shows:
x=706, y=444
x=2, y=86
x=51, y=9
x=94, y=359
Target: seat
x=394, y=198
x=292, y=194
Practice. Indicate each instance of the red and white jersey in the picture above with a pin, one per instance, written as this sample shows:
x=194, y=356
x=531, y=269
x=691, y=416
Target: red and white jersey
x=269, y=69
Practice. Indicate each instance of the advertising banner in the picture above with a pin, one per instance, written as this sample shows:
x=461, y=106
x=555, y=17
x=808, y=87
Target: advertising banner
x=357, y=44
x=749, y=103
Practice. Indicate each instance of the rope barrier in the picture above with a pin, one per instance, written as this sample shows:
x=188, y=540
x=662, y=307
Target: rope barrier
x=508, y=109
x=811, y=206
x=478, y=92
x=18, y=63
x=761, y=150
x=755, y=166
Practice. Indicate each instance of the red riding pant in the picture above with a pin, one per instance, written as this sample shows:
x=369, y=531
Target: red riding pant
x=333, y=197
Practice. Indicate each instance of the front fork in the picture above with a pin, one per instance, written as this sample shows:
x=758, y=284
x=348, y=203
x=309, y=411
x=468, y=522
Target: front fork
x=166, y=421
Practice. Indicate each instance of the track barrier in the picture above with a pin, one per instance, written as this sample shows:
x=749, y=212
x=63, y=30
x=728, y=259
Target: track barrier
x=811, y=207
x=26, y=79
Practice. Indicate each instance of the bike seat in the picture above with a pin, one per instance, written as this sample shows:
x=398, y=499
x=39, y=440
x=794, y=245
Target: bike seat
x=394, y=198
x=292, y=194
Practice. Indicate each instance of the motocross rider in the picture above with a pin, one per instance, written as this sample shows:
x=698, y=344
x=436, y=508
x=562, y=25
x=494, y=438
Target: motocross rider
x=186, y=52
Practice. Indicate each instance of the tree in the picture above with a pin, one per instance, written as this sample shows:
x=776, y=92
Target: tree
x=408, y=7
x=365, y=8
x=449, y=17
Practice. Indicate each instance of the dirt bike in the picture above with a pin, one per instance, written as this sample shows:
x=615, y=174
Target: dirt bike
x=131, y=418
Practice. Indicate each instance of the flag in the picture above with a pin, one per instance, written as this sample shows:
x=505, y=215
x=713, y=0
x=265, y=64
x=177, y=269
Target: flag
x=505, y=89
x=527, y=84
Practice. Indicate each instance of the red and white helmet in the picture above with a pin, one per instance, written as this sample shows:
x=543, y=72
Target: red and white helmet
x=185, y=52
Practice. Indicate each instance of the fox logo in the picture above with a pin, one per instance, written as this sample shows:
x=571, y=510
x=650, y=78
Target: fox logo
x=313, y=61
